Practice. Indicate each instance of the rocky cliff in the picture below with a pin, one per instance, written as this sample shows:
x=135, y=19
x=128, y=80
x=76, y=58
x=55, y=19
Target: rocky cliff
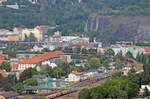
x=126, y=28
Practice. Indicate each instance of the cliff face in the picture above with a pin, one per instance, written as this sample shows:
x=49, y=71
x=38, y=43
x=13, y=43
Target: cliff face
x=126, y=28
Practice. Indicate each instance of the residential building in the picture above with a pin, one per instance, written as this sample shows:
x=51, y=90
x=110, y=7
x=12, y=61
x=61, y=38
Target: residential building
x=4, y=73
x=14, y=66
x=37, y=48
x=126, y=70
x=14, y=38
x=2, y=1
x=36, y=33
x=143, y=88
x=15, y=6
x=43, y=59
x=25, y=56
x=74, y=76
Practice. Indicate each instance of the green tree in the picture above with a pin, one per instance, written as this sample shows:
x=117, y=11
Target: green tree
x=146, y=73
x=146, y=92
x=84, y=94
x=129, y=54
x=84, y=51
x=65, y=67
x=6, y=66
x=49, y=71
x=94, y=63
x=7, y=87
x=19, y=88
x=12, y=79
x=58, y=72
x=110, y=52
x=31, y=82
x=118, y=64
x=105, y=61
x=28, y=73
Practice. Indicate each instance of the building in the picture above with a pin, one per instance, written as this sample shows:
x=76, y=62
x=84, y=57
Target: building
x=4, y=57
x=36, y=33
x=4, y=73
x=1, y=1
x=74, y=76
x=14, y=38
x=25, y=56
x=143, y=88
x=9, y=95
x=126, y=70
x=43, y=59
x=37, y=48
x=34, y=1
x=15, y=6
x=6, y=35
x=14, y=66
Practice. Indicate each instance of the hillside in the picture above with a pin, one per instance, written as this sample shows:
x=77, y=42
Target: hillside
x=126, y=28
x=70, y=16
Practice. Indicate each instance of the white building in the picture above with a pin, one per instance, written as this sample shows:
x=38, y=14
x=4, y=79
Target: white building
x=37, y=48
x=36, y=32
x=74, y=76
x=46, y=58
x=143, y=87
x=124, y=50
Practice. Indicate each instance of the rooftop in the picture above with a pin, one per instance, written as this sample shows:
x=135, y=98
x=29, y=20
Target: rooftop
x=3, y=71
x=42, y=57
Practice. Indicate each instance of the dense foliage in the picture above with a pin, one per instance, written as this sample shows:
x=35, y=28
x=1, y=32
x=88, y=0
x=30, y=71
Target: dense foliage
x=69, y=15
x=5, y=66
x=115, y=88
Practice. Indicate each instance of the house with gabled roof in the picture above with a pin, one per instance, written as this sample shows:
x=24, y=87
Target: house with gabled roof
x=43, y=59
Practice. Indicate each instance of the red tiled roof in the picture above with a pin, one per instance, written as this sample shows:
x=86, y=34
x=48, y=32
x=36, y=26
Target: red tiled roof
x=42, y=57
x=3, y=56
x=146, y=49
x=130, y=45
x=14, y=64
x=43, y=26
x=19, y=28
x=76, y=73
x=2, y=71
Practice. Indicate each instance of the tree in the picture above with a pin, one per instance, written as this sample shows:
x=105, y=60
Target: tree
x=65, y=67
x=105, y=61
x=94, y=63
x=84, y=94
x=116, y=88
x=58, y=72
x=146, y=73
x=12, y=79
x=118, y=64
x=110, y=52
x=6, y=66
x=129, y=55
x=138, y=57
x=49, y=71
x=146, y=92
x=19, y=88
x=31, y=82
x=85, y=51
x=7, y=87
x=26, y=74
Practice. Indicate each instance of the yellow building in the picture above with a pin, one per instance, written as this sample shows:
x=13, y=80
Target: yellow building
x=13, y=38
x=37, y=33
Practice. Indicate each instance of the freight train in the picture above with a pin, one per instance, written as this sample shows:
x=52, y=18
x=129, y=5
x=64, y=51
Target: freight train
x=57, y=94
